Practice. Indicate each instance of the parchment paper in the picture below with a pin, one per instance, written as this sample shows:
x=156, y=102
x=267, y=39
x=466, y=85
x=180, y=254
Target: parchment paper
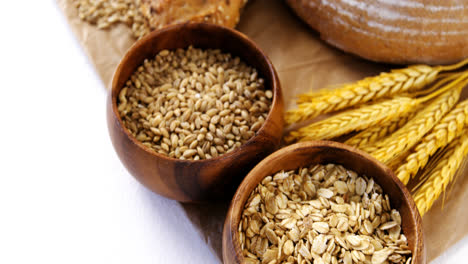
x=303, y=62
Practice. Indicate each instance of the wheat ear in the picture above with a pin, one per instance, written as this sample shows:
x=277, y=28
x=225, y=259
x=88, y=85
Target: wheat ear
x=354, y=120
x=450, y=127
x=364, y=139
x=411, y=133
x=435, y=181
x=312, y=104
x=396, y=82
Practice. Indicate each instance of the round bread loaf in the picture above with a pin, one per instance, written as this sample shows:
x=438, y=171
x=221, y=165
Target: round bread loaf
x=393, y=31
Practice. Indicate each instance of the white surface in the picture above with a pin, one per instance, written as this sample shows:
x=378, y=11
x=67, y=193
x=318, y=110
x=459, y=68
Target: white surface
x=64, y=195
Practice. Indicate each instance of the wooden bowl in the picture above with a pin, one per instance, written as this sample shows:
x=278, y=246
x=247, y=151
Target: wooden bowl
x=184, y=180
x=323, y=152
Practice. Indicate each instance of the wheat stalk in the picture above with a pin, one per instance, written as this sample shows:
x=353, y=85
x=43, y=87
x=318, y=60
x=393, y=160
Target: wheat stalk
x=450, y=127
x=364, y=139
x=396, y=82
x=436, y=180
x=353, y=120
x=411, y=133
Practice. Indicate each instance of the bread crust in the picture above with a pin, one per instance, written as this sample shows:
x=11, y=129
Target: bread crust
x=402, y=32
x=165, y=12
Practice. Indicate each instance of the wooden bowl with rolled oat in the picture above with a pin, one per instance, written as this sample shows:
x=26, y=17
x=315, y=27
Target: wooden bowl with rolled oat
x=322, y=202
x=193, y=108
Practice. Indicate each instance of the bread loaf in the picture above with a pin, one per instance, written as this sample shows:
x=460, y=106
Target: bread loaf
x=165, y=12
x=393, y=31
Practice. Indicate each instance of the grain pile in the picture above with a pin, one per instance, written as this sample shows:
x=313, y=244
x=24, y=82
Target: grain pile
x=193, y=103
x=322, y=214
x=403, y=118
x=106, y=13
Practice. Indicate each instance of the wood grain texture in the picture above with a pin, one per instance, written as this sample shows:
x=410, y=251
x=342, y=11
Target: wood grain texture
x=193, y=181
x=407, y=31
x=323, y=152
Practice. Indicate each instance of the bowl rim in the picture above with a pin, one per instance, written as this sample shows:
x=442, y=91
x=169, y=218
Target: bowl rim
x=239, y=36
x=236, y=206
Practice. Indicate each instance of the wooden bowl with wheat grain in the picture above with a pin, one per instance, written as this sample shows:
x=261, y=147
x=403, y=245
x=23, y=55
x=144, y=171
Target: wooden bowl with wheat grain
x=309, y=153
x=194, y=180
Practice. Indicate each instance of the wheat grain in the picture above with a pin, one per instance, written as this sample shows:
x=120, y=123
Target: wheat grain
x=106, y=13
x=354, y=120
x=364, y=139
x=193, y=103
x=450, y=127
x=371, y=147
x=411, y=133
x=398, y=81
x=436, y=180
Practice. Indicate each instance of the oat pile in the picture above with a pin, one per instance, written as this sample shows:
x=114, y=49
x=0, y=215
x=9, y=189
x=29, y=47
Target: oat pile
x=322, y=214
x=193, y=103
